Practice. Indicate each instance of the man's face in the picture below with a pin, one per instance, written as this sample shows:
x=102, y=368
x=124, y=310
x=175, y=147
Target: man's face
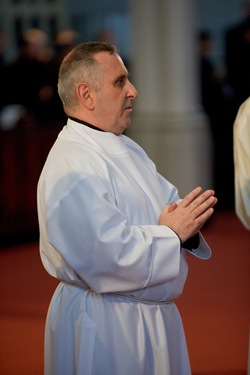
x=113, y=102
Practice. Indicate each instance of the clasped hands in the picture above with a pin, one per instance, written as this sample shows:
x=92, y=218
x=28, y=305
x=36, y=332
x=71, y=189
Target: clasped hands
x=188, y=217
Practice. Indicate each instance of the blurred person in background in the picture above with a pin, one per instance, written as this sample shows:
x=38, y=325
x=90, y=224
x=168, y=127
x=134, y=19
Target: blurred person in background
x=211, y=89
x=237, y=58
x=212, y=85
x=28, y=73
x=65, y=40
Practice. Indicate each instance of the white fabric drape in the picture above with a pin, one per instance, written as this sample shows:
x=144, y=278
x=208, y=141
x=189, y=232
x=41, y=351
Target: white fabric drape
x=242, y=163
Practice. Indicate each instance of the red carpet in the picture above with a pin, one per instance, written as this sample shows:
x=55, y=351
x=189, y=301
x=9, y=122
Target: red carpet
x=215, y=305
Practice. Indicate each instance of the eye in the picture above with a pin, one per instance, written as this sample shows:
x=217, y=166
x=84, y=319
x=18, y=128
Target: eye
x=121, y=81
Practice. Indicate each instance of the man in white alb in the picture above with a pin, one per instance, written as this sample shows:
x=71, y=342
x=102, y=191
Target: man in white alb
x=114, y=232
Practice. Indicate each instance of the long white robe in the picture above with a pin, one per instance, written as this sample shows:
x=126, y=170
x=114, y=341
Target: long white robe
x=99, y=201
x=242, y=163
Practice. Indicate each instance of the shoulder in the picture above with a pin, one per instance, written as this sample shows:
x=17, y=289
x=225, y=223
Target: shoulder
x=135, y=147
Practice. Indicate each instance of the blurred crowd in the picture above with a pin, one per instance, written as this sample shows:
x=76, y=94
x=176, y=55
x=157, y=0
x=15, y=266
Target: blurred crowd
x=29, y=97
x=222, y=93
x=29, y=83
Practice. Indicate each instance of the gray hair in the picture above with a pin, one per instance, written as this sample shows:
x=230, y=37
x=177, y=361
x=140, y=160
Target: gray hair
x=80, y=65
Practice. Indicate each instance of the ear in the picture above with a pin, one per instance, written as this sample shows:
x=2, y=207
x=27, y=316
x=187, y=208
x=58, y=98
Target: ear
x=84, y=94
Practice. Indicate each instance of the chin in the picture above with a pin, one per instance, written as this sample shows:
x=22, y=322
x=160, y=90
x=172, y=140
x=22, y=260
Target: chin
x=126, y=127
x=123, y=128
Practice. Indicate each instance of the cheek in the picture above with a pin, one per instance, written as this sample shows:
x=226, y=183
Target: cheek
x=111, y=106
x=114, y=108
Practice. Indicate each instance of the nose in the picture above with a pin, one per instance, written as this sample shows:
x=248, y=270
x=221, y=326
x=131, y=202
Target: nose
x=132, y=92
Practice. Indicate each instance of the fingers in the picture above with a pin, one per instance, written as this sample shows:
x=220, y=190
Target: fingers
x=204, y=211
x=190, y=197
x=203, y=204
x=188, y=217
x=201, y=220
x=195, y=199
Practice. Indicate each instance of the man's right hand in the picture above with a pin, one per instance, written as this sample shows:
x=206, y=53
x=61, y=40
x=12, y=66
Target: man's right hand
x=188, y=217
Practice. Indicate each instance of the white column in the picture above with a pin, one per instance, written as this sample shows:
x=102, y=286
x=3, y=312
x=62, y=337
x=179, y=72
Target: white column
x=168, y=121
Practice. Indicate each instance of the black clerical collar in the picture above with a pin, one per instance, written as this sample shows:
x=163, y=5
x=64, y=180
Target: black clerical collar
x=84, y=123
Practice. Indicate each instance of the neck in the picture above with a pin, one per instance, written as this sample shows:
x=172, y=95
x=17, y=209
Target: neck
x=85, y=123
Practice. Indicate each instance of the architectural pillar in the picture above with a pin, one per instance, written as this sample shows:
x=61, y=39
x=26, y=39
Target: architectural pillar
x=168, y=121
